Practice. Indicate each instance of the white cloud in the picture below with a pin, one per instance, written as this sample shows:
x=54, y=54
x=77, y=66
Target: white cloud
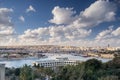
x=104, y=34
x=116, y=32
x=21, y=18
x=75, y=28
x=4, y=18
x=6, y=27
x=96, y=13
x=6, y=31
x=109, y=34
x=62, y=15
x=54, y=34
x=30, y=8
x=71, y=29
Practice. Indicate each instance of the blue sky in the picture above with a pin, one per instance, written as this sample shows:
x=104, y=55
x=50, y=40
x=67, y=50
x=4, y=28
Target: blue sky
x=43, y=11
x=60, y=22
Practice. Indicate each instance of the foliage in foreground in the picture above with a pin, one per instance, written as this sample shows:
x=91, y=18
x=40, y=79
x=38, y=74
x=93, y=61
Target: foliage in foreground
x=92, y=69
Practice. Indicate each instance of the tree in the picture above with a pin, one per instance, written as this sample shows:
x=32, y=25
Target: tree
x=93, y=64
x=17, y=71
x=70, y=72
x=115, y=63
x=48, y=71
x=92, y=67
x=26, y=73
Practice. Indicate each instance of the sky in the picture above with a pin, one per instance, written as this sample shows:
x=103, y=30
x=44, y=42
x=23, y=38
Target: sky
x=85, y=23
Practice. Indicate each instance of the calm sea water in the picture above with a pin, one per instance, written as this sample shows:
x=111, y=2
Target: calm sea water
x=29, y=61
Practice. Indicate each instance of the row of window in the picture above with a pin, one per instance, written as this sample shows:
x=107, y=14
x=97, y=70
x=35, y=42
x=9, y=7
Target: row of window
x=57, y=64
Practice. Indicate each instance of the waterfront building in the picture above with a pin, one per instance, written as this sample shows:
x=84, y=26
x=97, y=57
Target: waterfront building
x=56, y=63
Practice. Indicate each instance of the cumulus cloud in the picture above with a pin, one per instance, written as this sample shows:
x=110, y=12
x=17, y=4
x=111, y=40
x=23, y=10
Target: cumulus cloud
x=4, y=18
x=69, y=28
x=30, y=9
x=63, y=15
x=6, y=31
x=116, y=32
x=74, y=29
x=6, y=27
x=96, y=13
x=21, y=18
x=104, y=34
x=108, y=34
x=54, y=34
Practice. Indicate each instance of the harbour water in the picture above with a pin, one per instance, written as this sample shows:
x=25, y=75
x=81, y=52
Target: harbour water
x=50, y=56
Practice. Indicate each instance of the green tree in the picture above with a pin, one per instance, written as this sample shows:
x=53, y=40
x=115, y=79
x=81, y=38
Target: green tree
x=92, y=67
x=93, y=64
x=48, y=71
x=26, y=73
x=17, y=71
x=70, y=72
x=114, y=64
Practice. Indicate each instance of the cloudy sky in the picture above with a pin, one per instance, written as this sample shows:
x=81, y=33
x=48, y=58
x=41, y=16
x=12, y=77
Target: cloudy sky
x=60, y=22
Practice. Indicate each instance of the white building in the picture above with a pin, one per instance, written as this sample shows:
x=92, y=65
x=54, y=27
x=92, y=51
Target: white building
x=56, y=63
x=2, y=71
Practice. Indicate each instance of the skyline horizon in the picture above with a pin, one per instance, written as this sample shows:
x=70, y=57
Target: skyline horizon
x=105, y=46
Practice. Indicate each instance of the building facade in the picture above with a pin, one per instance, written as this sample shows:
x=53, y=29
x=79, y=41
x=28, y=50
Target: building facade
x=56, y=63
